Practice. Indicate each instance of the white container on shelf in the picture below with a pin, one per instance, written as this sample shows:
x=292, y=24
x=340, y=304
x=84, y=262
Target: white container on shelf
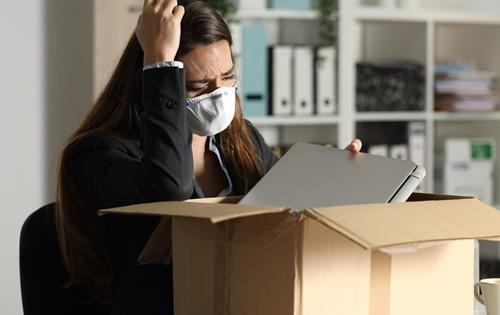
x=254, y=5
x=388, y=3
x=469, y=167
x=409, y=4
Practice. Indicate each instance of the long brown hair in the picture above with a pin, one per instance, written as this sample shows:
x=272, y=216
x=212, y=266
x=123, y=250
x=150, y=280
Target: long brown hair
x=116, y=113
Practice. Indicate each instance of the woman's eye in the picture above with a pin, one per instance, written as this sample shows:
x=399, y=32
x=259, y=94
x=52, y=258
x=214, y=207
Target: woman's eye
x=196, y=89
x=230, y=77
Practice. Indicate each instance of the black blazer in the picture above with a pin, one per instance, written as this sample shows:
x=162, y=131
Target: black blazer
x=111, y=172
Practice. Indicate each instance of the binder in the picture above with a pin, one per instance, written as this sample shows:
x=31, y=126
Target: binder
x=290, y=4
x=280, y=81
x=254, y=68
x=303, y=80
x=325, y=81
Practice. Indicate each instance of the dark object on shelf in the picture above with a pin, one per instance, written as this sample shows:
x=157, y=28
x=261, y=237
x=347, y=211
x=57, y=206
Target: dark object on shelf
x=489, y=268
x=388, y=133
x=390, y=86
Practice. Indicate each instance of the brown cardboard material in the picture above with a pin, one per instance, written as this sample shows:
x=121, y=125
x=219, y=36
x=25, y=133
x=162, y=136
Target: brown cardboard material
x=234, y=259
x=380, y=282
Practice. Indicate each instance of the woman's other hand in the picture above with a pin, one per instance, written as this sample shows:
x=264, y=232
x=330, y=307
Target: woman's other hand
x=159, y=30
x=355, y=146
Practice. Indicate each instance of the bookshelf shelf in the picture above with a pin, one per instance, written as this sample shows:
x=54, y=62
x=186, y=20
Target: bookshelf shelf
x=427, y=36
x=444, y=116
x=267, y=14
x=424, y=15
x=388, y=15
x=271, y=14
x=468, y=17
x=293, y=120
x=390, y=116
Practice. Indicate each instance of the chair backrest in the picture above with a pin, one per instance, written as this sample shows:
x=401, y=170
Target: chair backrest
x=43, y=273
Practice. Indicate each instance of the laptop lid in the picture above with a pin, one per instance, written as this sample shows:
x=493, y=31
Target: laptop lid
x=317, y=176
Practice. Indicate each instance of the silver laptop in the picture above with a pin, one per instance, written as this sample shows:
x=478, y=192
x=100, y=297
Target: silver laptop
x=316, y=176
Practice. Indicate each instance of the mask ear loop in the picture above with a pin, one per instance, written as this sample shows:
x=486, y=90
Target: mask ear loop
x=237, y=83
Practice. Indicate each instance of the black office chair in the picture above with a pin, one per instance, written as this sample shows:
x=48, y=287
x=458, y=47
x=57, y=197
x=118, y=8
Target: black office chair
x=43, y=273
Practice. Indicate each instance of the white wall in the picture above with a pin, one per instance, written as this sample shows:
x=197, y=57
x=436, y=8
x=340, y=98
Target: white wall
x=21, y=134
x=68, y=73
x=45, y=88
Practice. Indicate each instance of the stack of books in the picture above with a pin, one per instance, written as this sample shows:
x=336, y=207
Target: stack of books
x=461, y=88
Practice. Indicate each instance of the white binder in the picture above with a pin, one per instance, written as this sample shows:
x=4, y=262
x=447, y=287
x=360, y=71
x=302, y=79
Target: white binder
x=325, y=81
x=281, y=80
x=303, y=80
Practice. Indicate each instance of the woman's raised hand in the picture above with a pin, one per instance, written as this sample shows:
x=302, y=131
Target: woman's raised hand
x=355, y=146
x=159, y=30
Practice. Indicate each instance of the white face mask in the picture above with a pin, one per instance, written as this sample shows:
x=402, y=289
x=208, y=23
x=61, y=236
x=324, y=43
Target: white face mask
x=211, y=113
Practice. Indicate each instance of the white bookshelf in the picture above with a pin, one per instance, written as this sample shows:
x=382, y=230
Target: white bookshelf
x=423, y=35
x=426, y=35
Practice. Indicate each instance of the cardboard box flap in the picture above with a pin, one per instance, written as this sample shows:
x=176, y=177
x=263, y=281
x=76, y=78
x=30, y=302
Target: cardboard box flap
x=374, y=226
x=492, y=239
x=195, y=208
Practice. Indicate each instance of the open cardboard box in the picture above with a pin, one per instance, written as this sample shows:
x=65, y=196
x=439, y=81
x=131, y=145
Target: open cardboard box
x=236, y=259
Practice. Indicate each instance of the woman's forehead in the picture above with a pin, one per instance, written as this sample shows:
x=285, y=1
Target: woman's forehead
x=207, y=61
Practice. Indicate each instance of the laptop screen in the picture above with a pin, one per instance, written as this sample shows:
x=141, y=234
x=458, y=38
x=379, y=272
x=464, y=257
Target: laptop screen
x=316, y=176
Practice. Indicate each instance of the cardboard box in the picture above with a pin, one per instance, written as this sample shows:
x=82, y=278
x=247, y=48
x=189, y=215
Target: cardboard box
x=411, y=258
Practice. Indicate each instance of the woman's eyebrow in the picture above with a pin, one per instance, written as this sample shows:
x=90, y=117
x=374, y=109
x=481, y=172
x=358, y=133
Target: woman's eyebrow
x=229, y=71
x=206, y=80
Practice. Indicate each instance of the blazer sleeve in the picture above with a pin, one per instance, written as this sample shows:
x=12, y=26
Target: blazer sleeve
x=109, y=176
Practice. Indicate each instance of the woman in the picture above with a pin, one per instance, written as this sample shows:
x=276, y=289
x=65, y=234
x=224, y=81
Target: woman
x=168, y=126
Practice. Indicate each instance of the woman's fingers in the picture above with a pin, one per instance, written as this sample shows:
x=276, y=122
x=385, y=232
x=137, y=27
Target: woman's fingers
x=355, y=145
x=168, y=6
x=178, y=12
x=156, y=4
x=158, y=30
